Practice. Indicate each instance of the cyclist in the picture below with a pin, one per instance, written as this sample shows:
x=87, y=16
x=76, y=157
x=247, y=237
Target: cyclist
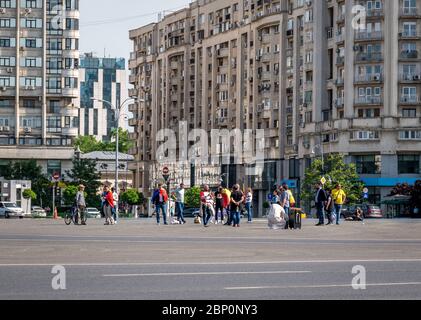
x=81, y=204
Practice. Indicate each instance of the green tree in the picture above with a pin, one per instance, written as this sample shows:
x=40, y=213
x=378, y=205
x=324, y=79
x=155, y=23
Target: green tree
x=69, y=194
x=124, y=141
x=88, y=144
x=29, y=194
x=130, y=197
x=192, y=197
x=29, y=170
x=84, y=172
x=335, y=170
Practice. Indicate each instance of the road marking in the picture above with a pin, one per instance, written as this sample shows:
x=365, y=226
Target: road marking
x=167, y=236
x=200, y=274
x=326, y=286
x=82, y=264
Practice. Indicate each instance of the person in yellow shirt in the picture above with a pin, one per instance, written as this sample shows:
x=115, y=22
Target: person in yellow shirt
x=339, y=198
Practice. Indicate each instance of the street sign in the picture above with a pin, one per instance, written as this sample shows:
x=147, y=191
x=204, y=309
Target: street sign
x=323, y=180
x=56, y=176
x=166, y=173
x=365, y=190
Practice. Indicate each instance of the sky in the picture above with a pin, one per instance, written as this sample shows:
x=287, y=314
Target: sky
x=105, y=24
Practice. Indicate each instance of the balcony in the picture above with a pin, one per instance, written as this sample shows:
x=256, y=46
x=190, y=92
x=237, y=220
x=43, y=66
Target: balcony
x=409, y=12
x=375, y=13
x=340, y=61
x=133, y=93
x=340, y=82
x=72, y=132
x=69, y=112
x=369, y=100
x=339, y=103
x=409, y=77
x=368, y=78
x=369, y=57
x=413, y=34
x=340, y=37
x=409, y=54
x=132, y=78
x=133, y=122
x=409, y=99
x=369, y=36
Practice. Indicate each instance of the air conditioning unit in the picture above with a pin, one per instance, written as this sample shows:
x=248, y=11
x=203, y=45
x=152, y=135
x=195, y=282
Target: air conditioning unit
x=28, y=10
x=376, y=77
x=29, y=88
x=2, y=10
x=27, y=129
x=417, y=78
x=9, y=70
x=3, y=89
x=6, y=128
x=1, y=129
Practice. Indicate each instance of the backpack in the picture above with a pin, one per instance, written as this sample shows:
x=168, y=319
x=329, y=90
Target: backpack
x=155, y=196
x=291, y=198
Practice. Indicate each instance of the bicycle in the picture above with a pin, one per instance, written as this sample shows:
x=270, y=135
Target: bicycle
x=73, y=216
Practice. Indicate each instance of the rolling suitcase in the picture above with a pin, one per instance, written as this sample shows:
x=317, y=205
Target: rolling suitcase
x=295, y=220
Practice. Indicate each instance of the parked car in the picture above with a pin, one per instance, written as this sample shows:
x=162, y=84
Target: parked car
x=10, y=209
x=93, y=213
x=369, y=211
x=191, y=212
x=38, y=212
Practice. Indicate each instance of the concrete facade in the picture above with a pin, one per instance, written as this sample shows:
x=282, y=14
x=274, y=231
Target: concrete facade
x=39, y=61
x=299, y=70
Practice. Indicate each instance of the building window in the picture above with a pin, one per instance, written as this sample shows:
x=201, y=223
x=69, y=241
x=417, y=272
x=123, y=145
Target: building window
x=409, y=164
x=409, y=113
x=369, y=164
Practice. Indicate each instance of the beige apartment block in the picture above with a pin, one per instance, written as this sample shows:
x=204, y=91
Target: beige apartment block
x=300, y=70
x=39, y=91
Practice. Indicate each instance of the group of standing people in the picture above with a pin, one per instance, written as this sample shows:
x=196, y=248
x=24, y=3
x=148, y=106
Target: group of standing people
x=329, y=202
x=225, y=202
x=213, y=205
x=283, y=196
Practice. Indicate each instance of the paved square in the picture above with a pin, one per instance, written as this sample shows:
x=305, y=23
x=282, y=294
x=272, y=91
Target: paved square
x=137, y=259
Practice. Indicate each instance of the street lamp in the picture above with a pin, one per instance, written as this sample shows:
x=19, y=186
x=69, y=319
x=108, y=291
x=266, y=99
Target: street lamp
x=118, y=115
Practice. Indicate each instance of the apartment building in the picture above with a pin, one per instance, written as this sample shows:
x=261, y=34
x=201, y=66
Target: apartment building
x=102, y=79
x=39, y=92
x=299, y=69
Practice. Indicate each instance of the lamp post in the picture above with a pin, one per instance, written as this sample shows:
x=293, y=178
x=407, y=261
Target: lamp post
x=118, y=115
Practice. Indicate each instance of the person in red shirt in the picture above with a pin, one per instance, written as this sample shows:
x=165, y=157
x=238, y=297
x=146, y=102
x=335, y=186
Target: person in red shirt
x=108, y=206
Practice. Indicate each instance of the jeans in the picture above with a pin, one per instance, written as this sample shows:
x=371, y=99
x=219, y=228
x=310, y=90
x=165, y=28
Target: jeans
x=338, y=210
x=113, y=211
x=320, y=213
x=249, y=211
x=179, y=209
x=235, y=217
x=287, y=217
x=207, y=215
x=162, y=207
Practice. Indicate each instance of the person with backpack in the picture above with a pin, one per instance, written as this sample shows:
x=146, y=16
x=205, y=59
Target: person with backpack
x=160, y=199
x=108, y=205
x=330, y=208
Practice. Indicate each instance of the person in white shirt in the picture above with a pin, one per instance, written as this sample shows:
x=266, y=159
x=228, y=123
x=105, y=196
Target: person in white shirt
x=115, y=198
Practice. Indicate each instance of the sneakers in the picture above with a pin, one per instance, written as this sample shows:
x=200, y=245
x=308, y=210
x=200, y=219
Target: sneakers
x=319, y=224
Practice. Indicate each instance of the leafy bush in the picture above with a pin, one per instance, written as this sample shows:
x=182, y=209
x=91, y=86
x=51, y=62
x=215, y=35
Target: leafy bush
x=29, y=194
